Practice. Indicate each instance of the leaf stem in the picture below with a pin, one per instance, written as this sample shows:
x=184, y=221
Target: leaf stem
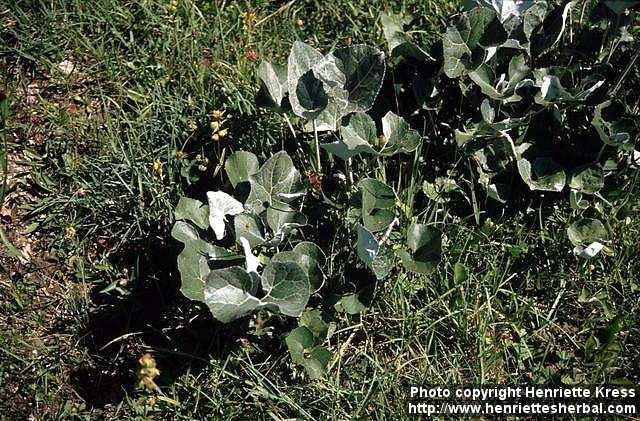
x=349, y=163
x=293, y=132
x=317, y=147
x=624, y=74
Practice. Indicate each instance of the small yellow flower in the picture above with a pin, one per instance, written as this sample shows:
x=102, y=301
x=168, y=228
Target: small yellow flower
x=249, y=20
x=70, y=232
x=215, y=126
x=215, y=137
x=158, y=168
x=222, y=133
x=181, y=154
x=192, y=125
x=147, y=372
x=217, y=114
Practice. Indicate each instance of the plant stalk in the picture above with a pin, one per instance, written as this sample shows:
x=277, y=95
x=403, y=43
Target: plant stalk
x=350, y=170
x=317, y=147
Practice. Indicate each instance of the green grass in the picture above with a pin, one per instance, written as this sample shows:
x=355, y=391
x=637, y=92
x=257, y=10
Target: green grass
x=101, y=288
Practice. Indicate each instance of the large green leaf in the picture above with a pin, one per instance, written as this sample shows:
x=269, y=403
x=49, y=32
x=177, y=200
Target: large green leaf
x=544, y=175
x=358, y=136
x=287, y=288
x=314, y=320
x=399, y=42
x=376, y=256
x=274, y=85
x=549, y=33
x=249, y=226
x=220, y=205
x=276, y=181
x=193, y=261
x=425, y=248
x=230, y=293
x=310, y=258
x=504, y=8
x=462, y=48
x=399, y=137
x=282, y=219
x=586, y=231
x=306, y=92
x=240, y=165
x=192, y=210
x=305, y=350
x=588, y=236
x=484, y=77
x=614, y=127
x=378, y=202
x=383, y=262
x=363, y=67
x=367, y=246
x=588, y=179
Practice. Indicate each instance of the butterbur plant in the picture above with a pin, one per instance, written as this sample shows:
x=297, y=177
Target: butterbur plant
x=520, y=95
x=331, y=93
x=327, y=97
x=536, y=100
x=233, y=285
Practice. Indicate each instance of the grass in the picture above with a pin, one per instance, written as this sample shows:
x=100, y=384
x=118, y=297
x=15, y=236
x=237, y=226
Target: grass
x=93, y=177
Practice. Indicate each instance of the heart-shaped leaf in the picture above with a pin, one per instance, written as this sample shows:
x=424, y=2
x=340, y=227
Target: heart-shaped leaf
x=305, y=350
x=230, y=293
x=287, y=288
x=425, y=248
x=276, y=181
x=588, y=236
x=310, y=258
x=588, y=180
x=192, y=210
x=306, y=92
x=462, y=47
x=240, y=165
x=363, y=67
x=544, y=175
x=221, y=205
x=399, y=137
x=378, y=202
x=587, y=231
x=358, y=136
x=193, y=261
x=274, y=87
